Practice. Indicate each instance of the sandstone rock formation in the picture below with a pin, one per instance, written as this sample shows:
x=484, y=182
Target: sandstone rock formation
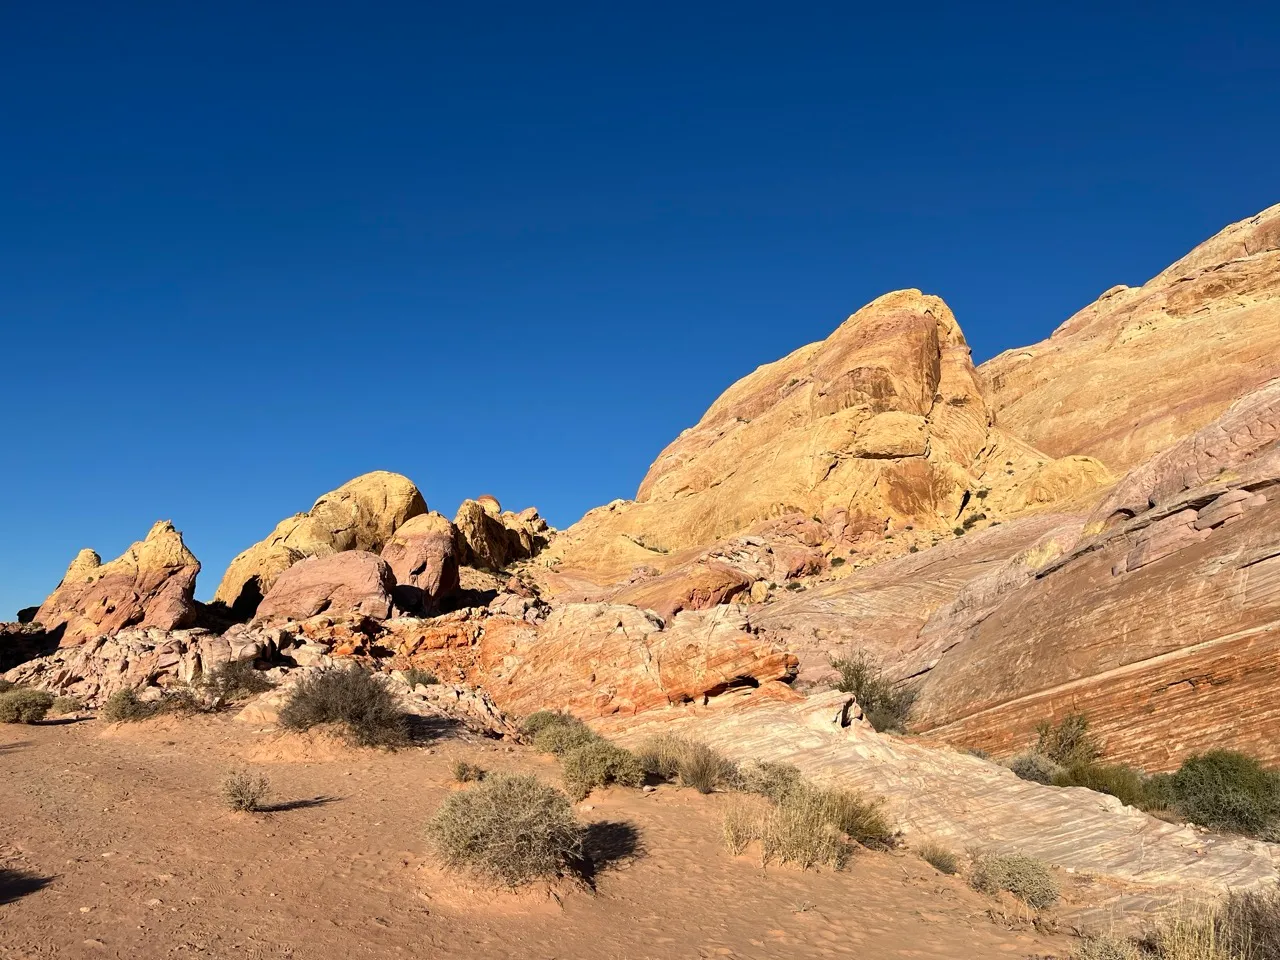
x=152, y=584
x=1141, y=368
x=882, y=426
x=491, y=539
x=352, y=582
x=423, y=556
x=362, y=514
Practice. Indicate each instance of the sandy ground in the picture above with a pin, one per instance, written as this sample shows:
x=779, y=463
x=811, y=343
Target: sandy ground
x=126, y=850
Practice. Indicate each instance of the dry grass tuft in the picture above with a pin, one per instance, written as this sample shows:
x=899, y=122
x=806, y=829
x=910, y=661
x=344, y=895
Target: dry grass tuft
x=244, y=791
x=464, y=772
x=940, y=857
x=352, y=698
x=689, y=762
x=598, y=764
x=233, y=681
x=1025, y=877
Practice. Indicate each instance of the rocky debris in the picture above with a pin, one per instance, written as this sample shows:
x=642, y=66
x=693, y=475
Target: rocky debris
x=960, y=800
x=881, y=426
x=423, y=556
x=600, y=659
x=152, y=584
x=139, y=659
x=362, y=514
x=352, y=582
x=491, y=539
x=1131, y=374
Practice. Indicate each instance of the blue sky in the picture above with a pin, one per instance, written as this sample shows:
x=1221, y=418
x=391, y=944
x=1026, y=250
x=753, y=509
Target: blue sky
x=248, y=251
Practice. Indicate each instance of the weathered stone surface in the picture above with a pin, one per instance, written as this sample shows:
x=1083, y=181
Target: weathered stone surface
x=961, y=800
x=1141, y=368
x=352, y=582
x=601, y=659
x=491, y=539
x=137, y=659
x=362, y=514
x=423, y=556
x=152, y=584
x=881, y=426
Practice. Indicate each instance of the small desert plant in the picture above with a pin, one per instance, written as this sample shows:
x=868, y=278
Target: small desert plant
x=1106, y=948
x=1193, y=934
x=509, y=828
x=769, y=779
x=742, y=822
x=1124, y=783
x=560, y=738
x=352, y=698
x=244, y=791
x=885, y=705
x=464, y=772
x=64, y=705
x=1070, y=743
x=234, y=680
x=5, y=685
x=837, y=561
x=598, y=764
x=21, y=705
x=798, y=832
x=689, y=762
x=535, y=722
x=416, y=676
x=1034, y=767
x=1025, y=877
x=123, y=706
x=1225, y=790
x=939, y=857
x=1249, y=924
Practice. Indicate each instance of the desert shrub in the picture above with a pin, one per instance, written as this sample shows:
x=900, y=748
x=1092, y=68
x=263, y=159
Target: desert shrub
x=21, y=705
x=535, y=722
x=244, y=791
x=768, y=779
x=1124, y=783
x=416, y=676
x=5, y=685
x=848, y=811
x=1025, y=877
x=1194, y=934
x=1106, y=948
x=464, y=772
x=65, y=705
x=885, y=705
x=1249, y=924
x=352, y=698
x=742, y=822
x=234, y=680
x=561, y=737
x=1034, y=767
x=837, y=561
x=1069, y=743
x=689, y=762
x=598, y=764
x=125, y=706
x=977, y=752
x=509, y=828
x=660, y=755
x=797, y=831
x=939, y=857
x=1226, y=790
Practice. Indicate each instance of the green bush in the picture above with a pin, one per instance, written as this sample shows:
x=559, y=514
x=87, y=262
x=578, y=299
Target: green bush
x=1034, y=767
x=885, y=705
x=559, y=738
x=20, y=705
x=1025, y=877
x=124, y=706
x=1124, y=783
x=1070, y=743
x=510, y=829
x=352, y=698
x=234, y=680
x=939, y=857
x=65, y=705
x=1226, y=790
x=598, y=764
x=768, y=779
x=535, y=722
x=5, y=685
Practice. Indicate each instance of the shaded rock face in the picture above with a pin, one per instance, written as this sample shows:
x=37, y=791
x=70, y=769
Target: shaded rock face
x=362, y=514
x=1141, y=368
x=602, y=659
x=152, y=584
x=490, y=538
x=20, y=642
x=353, y=582
x=882, y=425
x=423, y=556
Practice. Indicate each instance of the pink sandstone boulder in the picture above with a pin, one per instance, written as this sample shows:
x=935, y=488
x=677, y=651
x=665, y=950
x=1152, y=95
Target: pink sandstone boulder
x=423, y=556
x=352, y=582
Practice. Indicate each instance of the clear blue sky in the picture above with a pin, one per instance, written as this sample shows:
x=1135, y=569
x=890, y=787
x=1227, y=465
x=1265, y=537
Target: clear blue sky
x=248, y=251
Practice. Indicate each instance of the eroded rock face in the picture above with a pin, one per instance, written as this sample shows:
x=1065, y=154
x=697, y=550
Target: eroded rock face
x=490, y=538
x=362, y=514
x=1141, y=368
x=882, y=425
x=602, y=659
x=423, y=556
x=152, y=584
x=353, y=582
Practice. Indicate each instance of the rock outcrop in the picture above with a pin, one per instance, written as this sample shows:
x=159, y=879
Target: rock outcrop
x=362, y=514
x=423, y=556
x=152, y=584
x=490, y=538
x=354, y=582
x=882, y=426
x=1141, y=368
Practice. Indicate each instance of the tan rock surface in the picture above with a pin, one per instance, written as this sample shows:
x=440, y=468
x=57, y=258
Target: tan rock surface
x=1141, y=368
x=490, y=538
x=354, y=582
x=362, y=514
x=152, y=584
